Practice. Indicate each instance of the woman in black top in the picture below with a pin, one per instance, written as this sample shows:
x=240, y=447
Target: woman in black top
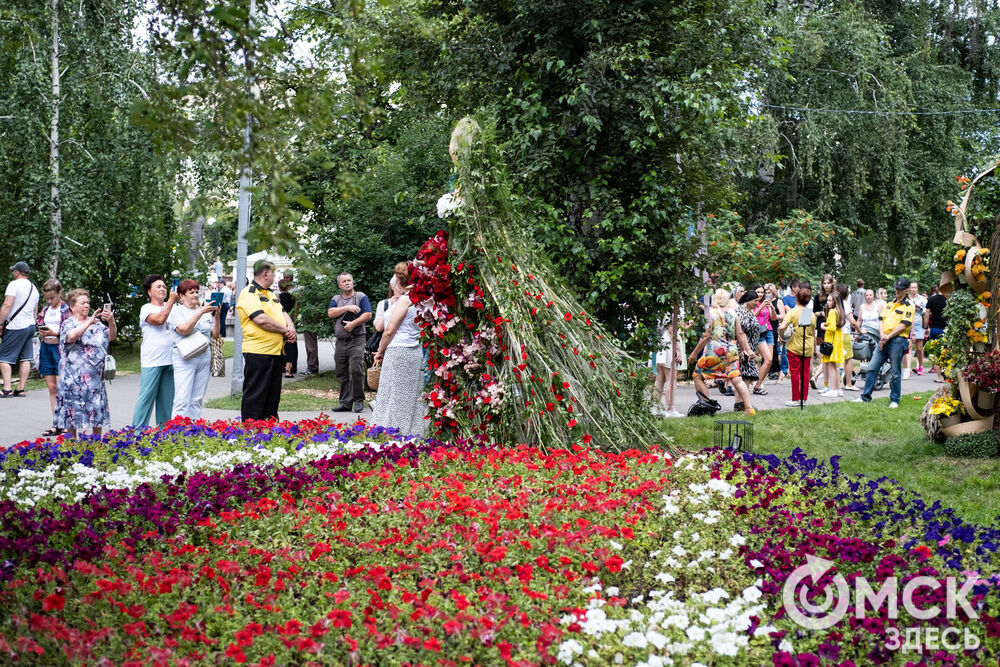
x=934, y=321
x=291, y=349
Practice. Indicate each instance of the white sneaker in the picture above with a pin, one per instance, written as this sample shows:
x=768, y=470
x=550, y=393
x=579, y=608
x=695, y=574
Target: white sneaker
x=858, y=400
x=851, y=388
x=673, y=414
x=795, y=404
x=893, y=405
x=840, y=393
x=824, y=392
x=906, y=373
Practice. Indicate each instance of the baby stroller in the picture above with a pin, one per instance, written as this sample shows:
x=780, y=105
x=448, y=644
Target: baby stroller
x=864, y=348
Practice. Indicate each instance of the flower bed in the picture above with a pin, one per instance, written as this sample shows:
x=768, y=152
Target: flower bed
x=382, y=550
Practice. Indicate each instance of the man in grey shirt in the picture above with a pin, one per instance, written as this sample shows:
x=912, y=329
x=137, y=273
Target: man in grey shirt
x=350, y=310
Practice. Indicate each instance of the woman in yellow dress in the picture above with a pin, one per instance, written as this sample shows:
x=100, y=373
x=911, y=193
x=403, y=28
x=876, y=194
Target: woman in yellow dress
x=833, y=340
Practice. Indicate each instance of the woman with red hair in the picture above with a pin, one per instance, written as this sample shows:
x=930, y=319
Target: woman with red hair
x=191, y=328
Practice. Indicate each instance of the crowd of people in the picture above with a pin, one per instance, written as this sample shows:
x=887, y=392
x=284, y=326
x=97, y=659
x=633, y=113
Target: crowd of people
x=801, y=337
x=791, y=334
x=177, y=328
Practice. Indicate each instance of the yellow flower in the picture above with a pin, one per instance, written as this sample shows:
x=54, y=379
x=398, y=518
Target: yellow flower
x=959, y=268
x=960, y=255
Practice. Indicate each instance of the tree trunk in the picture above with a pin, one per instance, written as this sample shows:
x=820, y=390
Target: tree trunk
x=675, y=317
x=54, y=198
x=197, y=234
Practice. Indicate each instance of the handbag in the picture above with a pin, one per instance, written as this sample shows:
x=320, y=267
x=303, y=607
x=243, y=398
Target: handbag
x=826, y=348
x=218, y=359
x=371, y=345
x=373, y=375
x=192, y=345
x=110, y=367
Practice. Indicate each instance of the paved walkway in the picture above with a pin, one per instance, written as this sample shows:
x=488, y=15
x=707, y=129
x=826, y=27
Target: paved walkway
x=25, y=418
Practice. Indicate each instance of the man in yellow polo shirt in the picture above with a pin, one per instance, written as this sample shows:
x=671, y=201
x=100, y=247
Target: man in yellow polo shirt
x=266, y=328
x=897, y=317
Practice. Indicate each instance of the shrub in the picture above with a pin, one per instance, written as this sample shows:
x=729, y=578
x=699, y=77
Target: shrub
x=974, y=445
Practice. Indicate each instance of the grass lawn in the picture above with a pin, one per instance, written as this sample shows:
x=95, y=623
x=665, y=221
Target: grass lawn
x=871, y=440
x=313, y=393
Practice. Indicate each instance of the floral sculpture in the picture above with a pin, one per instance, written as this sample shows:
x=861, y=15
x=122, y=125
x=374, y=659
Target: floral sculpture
x=974, y=378
x=511, y=351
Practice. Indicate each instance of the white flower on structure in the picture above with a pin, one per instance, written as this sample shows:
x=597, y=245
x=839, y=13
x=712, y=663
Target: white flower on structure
x=695, y=633
x=635, y=640
x=785, y=646
x=664, y=577
x=756, y=564
x=612, y=590
x=678, y=551
x=447, y=204
x=725, y=643
x=737, y=540
x=615, y=545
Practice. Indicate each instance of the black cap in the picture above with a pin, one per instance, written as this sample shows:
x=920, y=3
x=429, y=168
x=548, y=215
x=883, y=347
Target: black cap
x=20, y=267
x=902, y=283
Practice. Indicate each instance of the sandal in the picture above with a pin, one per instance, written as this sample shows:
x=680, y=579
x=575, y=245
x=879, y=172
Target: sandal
x=18, y=393
x=760, y=392
x=53, y=432
x=6, y=393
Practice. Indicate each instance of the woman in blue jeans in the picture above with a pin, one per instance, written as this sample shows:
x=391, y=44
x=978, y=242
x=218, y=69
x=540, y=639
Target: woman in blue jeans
x=156, y=381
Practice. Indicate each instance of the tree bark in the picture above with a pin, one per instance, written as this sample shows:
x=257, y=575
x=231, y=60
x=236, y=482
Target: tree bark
x=54, y=194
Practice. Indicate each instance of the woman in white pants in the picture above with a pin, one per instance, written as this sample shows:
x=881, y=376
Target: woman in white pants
x=191, y=375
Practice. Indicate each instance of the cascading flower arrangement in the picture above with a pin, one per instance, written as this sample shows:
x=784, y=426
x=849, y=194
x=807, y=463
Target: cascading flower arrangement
x=511, y=350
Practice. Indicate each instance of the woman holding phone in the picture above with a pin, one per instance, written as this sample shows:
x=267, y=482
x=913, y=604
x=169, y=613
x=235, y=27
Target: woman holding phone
x=82, y=399
x=49, y=322
x=191, y=372
x=156, y=380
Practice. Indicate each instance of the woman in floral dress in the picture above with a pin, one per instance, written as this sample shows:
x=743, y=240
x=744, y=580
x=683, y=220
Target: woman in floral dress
x=81, y=398
x=724, y=339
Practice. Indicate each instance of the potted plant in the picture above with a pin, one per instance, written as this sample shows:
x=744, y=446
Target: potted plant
x=980, y=382
x=949, y=410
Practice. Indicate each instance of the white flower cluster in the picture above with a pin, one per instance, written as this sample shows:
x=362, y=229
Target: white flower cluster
x=56, y=482
x=702, y=612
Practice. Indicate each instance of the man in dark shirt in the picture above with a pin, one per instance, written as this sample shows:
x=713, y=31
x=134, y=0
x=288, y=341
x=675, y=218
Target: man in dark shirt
x=934, y=321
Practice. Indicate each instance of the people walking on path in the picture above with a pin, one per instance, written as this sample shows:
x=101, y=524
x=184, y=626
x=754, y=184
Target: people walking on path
x=191, y=326
x=917, y=331
x=763, y=311
x=155, y=354
x=832, y=347
x=723, y=341
x=266, y=328
x=49, y=322
x=798, y=329
x=82, y=398
x=897, y=319
x=350, y=309
x=17, y=322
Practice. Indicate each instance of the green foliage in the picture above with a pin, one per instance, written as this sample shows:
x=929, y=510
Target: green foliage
x=884, y=177
x=115, y=191
x=397, y=182
x=960, y=312
x=975, y=445
x=311, y=305
x=622, y=128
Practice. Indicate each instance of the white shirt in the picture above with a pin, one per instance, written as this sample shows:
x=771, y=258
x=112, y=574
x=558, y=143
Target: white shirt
x=408, y=333
x=23, y=292
x=52, y=321
x=157, y=344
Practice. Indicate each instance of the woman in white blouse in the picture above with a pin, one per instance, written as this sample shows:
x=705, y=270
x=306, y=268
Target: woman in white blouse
x=191, y=375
